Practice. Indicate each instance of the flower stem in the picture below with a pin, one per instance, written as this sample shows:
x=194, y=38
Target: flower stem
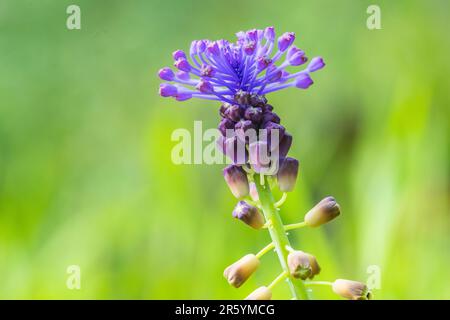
x=278, y=279
x=278, y=235
x=264, y=250
x=294, y=226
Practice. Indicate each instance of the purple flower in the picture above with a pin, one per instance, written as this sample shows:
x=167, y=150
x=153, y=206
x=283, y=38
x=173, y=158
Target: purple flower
x=254, y=64
x=316, y=64
x=167, y=90
x=166, y=74
x=303, y=81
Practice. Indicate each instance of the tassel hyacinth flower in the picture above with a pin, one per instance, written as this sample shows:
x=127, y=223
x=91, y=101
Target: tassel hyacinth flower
x=239, y=75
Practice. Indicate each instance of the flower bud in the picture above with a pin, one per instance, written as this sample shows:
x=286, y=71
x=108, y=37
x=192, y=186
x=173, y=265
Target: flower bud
x=204, y=86
x=167, y=90
x=249, y=215
x=303, y=81
x=269, y=33
x=315, y=268
x=285, y=41
x=287, y=174
x=241, y=270
x=237, y=181
x=166, y=74
x=183, y=65
x=262, y=293
x=326, y=210
x=299, y=265
x=285, y=145
x=254, y=192
x=352, y=290
x=259, y=156
x=316, y=64
x=178, y=54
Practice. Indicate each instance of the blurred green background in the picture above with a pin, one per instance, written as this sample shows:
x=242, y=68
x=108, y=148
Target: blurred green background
x=86, y=176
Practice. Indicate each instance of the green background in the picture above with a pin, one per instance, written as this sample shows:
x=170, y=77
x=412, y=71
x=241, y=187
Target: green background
x=86, y=176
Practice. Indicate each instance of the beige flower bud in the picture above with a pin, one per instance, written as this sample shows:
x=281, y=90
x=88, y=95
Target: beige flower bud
x=352, y=290
x=262, y=293
x=326, y=210
x=299, y=264
x=241, y=270
x=315, y=268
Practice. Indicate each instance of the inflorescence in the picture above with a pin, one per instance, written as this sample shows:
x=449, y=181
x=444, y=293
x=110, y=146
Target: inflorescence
x=239, y=75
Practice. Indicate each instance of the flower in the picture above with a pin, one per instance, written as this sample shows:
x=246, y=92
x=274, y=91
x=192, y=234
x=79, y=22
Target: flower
x=326, y=210
x=262, y=293
x=237, y=273
x=239, y=74
x=352, y=290
x=254, y=64
x=249, y=215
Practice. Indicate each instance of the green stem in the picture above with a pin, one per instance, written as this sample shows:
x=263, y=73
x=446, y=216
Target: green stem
x=278, y=235
x=294, y=226
x=264, y=250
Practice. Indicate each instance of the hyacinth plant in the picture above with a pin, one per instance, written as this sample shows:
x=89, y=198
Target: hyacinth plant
x=239, y=75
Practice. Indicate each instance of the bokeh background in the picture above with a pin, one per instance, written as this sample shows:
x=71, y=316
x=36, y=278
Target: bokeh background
x=86, y=176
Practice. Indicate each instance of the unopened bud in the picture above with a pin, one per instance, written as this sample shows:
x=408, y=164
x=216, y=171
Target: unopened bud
x=287, y=174
x=249, y=215
x=326, y=210
x=299, y=265
x=315, y=268
x=262, y=293
x=352, y=290
x=241, y=270
x=237, y=181
x=254, y=192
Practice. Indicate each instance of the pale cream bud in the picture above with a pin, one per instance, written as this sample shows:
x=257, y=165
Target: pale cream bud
x=326, y=210
x=262, y=293
x=352, y=290
x=241, y=270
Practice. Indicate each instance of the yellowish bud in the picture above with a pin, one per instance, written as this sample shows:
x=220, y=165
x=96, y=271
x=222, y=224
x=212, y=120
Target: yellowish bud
x=262, y=293
x=241, y=270
x=326, y=210
x=352, y=290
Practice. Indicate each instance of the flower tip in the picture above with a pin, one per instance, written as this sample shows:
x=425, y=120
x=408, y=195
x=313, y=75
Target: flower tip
x=262, y=293
x=285, y=41
x=326, y=210
x=303, y=81
x=182, y=64
x=237, y=273
x=237, y=180
x=166, y=74
x=178, y=54
x=352, y=290
x=167, y=90
x=248, y=214
x=205, y=86
x=287, y=174
x=269, y=33
x=316, y=63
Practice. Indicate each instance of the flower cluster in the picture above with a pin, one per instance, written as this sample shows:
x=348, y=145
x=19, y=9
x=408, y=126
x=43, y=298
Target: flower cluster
x=256, y=63
x=239, y=75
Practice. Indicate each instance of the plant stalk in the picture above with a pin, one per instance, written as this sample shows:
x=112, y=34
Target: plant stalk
x=278, y=234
